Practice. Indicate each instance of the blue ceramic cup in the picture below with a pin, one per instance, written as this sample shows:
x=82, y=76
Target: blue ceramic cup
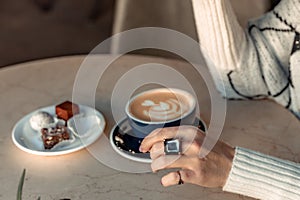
x=158, y=108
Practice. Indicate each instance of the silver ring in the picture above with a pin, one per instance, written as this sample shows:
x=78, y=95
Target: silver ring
x=180, y=181
x=172, y=146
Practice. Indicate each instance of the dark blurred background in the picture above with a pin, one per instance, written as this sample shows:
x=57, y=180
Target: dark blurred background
x=33, y=29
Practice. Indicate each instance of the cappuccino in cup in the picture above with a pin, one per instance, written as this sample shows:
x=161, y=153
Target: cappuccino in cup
x=157, y=108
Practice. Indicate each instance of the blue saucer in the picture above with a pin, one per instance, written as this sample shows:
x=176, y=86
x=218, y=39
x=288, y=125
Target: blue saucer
x=127, y=144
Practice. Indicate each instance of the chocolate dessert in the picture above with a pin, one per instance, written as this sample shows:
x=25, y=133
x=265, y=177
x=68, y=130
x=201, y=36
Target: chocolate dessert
x=66, y=110
x=54, y=135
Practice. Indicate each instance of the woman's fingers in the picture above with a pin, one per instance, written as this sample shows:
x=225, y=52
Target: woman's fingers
x=211, y=171
x=170, y=179
x=159, y=135
x=189, y=148
x=157, y=150
x=173, y=161
x=176, y=178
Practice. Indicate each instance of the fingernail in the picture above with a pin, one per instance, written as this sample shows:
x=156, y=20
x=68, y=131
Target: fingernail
x=141, y=149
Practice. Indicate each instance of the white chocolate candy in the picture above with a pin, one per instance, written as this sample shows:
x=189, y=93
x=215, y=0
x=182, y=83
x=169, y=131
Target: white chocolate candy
x=41, y=120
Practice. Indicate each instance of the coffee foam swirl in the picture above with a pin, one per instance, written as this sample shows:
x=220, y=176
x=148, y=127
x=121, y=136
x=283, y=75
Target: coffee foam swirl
x=164, y=110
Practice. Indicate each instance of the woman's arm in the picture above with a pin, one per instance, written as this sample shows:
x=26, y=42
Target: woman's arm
x=219, y=32
x=226, y=45
x=254, y=63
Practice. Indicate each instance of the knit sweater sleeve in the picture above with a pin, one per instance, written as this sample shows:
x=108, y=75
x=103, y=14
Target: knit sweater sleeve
x=253, y=63
x=264, y=177
x=231, y=51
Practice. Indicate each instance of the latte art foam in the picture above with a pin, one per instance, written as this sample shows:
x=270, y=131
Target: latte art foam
x=159, y=106
x=170, y=109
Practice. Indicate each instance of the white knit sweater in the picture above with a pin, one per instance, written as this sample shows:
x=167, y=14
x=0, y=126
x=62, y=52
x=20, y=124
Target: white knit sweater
x=255, y=63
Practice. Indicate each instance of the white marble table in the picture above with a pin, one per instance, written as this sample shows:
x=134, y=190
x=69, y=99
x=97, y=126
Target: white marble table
x=259, y=125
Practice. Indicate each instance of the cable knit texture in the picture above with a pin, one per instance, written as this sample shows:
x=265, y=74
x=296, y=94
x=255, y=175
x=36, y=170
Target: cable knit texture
x=255, y=63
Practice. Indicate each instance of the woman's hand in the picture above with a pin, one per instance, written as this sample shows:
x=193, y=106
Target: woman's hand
x=211, y=171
